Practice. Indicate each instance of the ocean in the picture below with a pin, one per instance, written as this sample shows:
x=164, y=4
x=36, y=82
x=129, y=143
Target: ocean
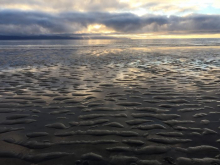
x=33, y=52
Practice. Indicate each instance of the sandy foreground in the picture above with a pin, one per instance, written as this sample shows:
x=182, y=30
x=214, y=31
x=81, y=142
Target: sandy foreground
x=118, y=107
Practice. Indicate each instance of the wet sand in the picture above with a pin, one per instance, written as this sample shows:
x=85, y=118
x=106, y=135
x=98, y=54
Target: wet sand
x=110, y=106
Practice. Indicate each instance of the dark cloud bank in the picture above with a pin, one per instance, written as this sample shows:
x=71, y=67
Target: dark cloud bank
x=22, y=23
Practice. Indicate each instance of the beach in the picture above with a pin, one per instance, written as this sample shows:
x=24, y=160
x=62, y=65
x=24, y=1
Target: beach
x=96, y=102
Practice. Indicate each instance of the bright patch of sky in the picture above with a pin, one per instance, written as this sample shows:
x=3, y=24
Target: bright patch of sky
x=209, y=10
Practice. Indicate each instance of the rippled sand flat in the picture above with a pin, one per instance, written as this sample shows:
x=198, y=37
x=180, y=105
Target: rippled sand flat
x=109, y=104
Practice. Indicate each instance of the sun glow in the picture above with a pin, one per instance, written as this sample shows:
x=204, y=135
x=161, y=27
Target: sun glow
x=97, y=28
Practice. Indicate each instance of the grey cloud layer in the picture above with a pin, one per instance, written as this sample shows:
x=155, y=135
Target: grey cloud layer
x=66, y=5
x=14, y=22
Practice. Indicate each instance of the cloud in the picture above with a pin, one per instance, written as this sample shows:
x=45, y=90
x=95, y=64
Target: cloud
x=64, y=5
x=103, y=6
x=15, y=22
x=171, y=8
x=19, y=22
x=139, y=7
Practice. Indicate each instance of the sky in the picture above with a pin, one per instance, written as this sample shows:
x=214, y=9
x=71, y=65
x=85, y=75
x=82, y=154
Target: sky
x=136, y=19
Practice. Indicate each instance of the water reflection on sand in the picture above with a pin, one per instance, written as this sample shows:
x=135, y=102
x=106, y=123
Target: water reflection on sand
x=109, y=102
